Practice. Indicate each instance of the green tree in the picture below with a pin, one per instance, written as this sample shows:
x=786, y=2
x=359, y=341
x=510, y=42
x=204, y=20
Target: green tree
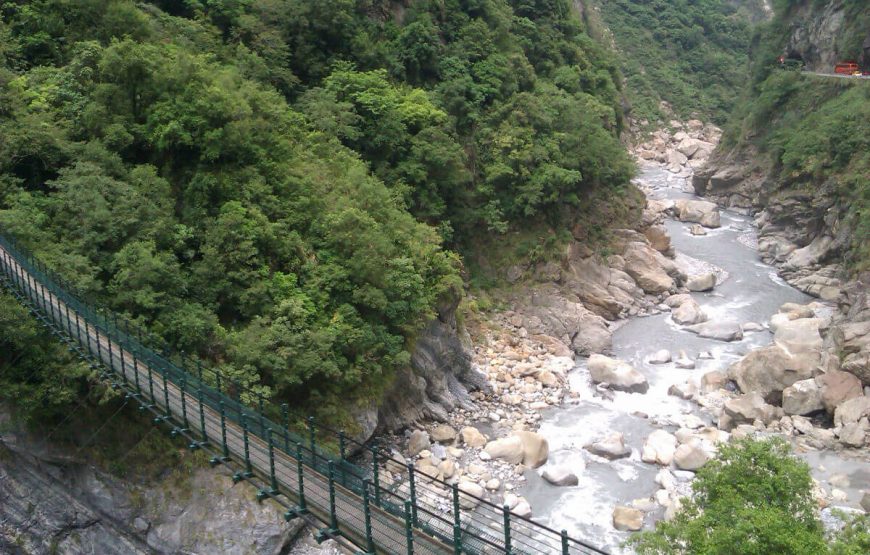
x=755, y=498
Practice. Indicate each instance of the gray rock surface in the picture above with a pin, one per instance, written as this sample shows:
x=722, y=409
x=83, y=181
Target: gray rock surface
x=720, y=331
x=617, y=374
x=53, y=502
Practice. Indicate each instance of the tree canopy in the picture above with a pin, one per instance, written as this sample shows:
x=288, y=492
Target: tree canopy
x=281, y=187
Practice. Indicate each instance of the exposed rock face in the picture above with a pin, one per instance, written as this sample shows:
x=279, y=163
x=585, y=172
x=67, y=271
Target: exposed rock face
x=616, y=373
x=54, y=503
x=438, y=381
x=645, y=266
x=548, y=311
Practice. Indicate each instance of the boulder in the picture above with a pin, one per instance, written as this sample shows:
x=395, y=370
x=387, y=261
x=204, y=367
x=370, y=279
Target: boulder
x=659, y=448
x=443, y=434
x=748, y=408
x=627, y=519
x=509, y=449
x=854, y=434
x=536, y=449
x=689, y=313
x=618, y=374
x=611, y=448
x=660, y=357
x=418, y=441
x=683, y=361
x=801, y=337
x=698, y=211
x=472, y=437
x=645, y=268
x=852, y=411
x=837, y=388
x=677, y=300
x=548, y=311
x=447, y=468
x=720, y=331
x=769, y=370
x=658, y=238
x=560, y=475
x=685, y=390
x=712, y=381
x=474, y=494
x=691, y=455
x=697, y=230
x=704, y=282
x=802, y=397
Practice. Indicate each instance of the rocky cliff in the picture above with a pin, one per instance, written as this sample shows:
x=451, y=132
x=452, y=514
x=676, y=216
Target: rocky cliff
x=54, y=500
x=823, y=33
x=791, y=158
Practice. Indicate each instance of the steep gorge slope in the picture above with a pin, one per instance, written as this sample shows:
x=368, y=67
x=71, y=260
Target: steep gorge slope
x=797, y=152
x=680, y=59
x=285, y=187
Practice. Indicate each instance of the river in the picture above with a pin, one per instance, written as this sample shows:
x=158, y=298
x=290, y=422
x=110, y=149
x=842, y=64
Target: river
x=749, y=291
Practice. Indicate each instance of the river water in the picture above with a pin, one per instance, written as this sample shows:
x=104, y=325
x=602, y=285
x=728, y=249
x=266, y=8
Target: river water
x=751, y=292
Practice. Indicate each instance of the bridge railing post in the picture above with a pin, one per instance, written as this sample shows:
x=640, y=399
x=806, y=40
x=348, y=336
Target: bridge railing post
x=367, y=516
x=312, y=441
x=342, y=456
x=457, y=521
x=300, y=477
x=506, y=511
x=274, y=478
x=285, y=418
x=564, y=536
x=409, y=531
x=412, y=486
x=375, y=477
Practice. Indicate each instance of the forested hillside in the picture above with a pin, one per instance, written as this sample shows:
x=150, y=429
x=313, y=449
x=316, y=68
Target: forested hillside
x=690, y=54
x=811, y=133
x=282, y=186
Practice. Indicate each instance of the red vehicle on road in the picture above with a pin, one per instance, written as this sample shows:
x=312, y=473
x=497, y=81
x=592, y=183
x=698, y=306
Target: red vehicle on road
x=847, y=68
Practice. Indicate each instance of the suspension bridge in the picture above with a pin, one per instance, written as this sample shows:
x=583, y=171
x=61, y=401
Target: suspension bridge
x=384, y=507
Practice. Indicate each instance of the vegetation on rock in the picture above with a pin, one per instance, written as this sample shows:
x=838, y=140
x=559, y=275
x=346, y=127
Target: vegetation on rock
x=691, y=54
x=281, y=186
x=754, y=498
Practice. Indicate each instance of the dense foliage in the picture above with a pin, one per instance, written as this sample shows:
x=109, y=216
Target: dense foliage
x=270, y=184
x=813, y=132
x=755, y=498
x=690, y=53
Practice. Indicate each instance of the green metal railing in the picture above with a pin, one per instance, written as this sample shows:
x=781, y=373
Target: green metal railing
x=417, y=513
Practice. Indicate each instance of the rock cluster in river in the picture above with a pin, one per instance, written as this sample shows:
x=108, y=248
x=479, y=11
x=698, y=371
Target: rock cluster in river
x=683, y=148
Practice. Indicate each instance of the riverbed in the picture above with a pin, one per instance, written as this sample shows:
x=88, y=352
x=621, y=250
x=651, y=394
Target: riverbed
x=748, y=291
